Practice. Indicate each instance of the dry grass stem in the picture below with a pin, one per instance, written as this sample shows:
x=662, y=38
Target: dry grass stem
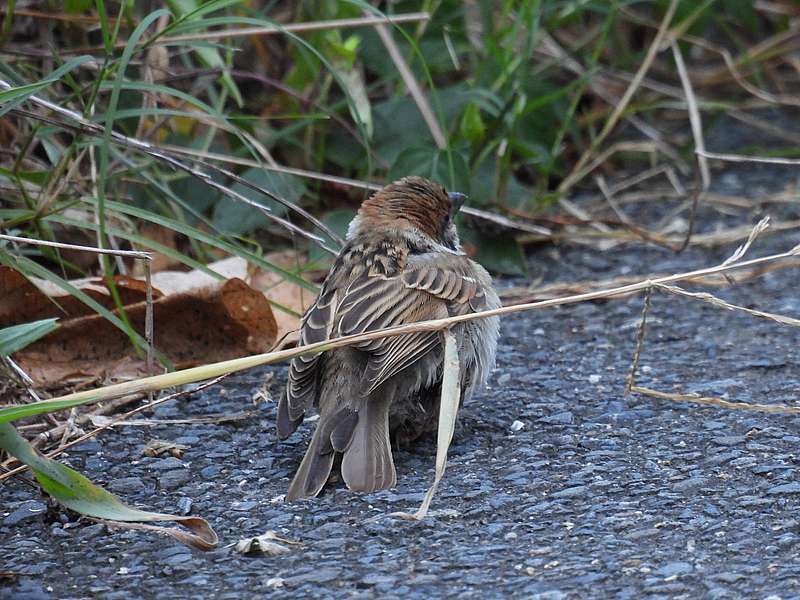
x=129, y=253
x=194, y=374
x=367, y=185
x=600, y=86
x=221, y=34
x=714, y=401
x=760, y=227
x=578, y=174
x=644, y=234
x=578, y=171
x=706, y=297
x=694, y=114
x=448, y=411
x=630, y=380
x=505, y=221
x=89, y=128
x=749, y=158
x=411, y=83
x=24, y=379
x=246, y=162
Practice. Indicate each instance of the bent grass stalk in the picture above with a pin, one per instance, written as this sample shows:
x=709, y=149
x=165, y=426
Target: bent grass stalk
x=158, y=382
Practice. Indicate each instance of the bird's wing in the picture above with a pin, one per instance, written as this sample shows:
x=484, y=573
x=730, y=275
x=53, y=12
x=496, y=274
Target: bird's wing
x=301, y=389
x=431, y=286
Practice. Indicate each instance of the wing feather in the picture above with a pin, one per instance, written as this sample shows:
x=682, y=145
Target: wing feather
x=429, y=288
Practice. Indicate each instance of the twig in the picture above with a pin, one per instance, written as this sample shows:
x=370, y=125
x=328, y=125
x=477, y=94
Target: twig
x=129, y=253
x=148, y=317
x=714, y=401
x=630, y=380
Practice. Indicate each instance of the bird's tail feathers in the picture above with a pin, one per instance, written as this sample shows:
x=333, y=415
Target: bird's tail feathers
x=367, y=464
x=317, y=463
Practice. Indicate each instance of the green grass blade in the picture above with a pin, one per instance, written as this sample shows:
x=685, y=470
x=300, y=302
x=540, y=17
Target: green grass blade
x=78, y=493
x=15, y=338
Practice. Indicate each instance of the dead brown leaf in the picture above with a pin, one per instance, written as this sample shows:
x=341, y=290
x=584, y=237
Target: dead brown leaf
x=23, y=300
x=206, y=325
x=284, y=293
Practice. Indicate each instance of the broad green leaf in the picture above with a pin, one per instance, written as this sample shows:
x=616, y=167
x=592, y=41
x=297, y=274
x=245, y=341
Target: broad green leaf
x=498, y=254
x=78, y=493
x=15, y=338
x=430, y=162
x=236, y=217
x=360, y=107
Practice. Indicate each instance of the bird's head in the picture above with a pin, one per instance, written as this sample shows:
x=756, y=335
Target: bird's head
x=414, y=208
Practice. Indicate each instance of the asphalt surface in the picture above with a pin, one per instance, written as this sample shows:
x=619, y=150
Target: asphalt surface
x=596, y=495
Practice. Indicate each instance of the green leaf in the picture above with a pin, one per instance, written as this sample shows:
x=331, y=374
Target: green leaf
x=77, y=493
x=430, y=162
x=77, y=6
x=472, y=126
x=498, y=254
x=15, y=338
x=236, y=217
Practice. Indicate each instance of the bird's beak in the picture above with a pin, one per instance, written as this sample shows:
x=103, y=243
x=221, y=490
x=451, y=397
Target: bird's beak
x=457, y=200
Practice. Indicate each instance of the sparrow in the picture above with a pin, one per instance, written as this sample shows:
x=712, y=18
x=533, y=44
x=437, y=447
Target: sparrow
x=402, y=262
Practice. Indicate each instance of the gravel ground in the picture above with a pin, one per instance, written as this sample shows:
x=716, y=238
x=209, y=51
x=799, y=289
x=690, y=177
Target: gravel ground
x=597, y=495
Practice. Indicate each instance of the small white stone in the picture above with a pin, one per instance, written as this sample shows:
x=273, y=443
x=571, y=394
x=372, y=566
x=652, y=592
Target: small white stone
x=517, y=425
x=275, y=582
x=538, y=331
x=594, y=378
x=646, y=369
